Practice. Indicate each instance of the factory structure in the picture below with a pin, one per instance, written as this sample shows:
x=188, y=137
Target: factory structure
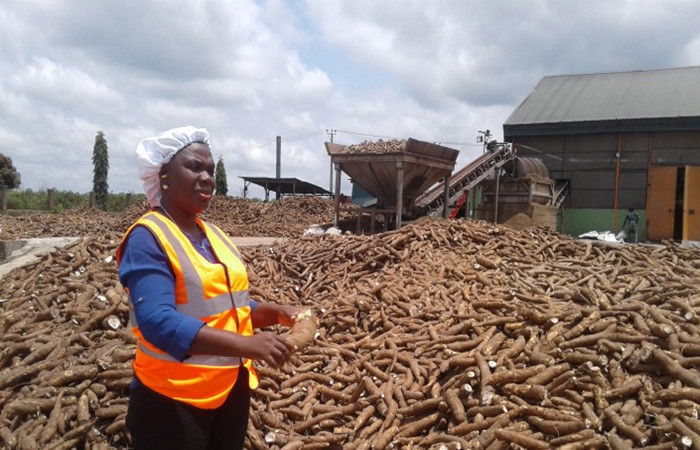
x=578, y=153
x=618, y=141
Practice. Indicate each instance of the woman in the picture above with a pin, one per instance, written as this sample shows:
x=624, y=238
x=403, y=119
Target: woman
x=190, y=308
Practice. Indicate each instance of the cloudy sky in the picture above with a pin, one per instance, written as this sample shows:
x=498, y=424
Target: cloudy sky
x=434, y=70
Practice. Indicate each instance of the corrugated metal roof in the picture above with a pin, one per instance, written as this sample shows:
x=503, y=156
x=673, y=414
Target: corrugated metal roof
x=653, y=94
x=287, y=186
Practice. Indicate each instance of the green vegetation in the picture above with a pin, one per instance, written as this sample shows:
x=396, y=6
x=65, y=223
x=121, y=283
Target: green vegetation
x=118, y=202
x=9, y=177
x=220, y=176
x=64, y=200
x=100, y=162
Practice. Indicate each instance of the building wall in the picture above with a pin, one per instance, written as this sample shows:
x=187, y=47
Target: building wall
x=676, y=149
x=590, y=163
x=575, y=222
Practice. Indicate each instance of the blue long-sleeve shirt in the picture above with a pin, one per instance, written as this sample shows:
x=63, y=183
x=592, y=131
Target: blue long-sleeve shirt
x=145, y=271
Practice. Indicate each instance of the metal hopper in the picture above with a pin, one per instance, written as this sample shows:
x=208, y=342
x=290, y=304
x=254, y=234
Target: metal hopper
x=395, y=178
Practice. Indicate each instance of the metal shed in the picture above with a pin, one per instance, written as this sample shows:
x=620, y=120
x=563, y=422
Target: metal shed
x=283, y=186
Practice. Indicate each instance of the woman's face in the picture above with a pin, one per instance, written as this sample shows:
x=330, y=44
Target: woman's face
x=190, y=179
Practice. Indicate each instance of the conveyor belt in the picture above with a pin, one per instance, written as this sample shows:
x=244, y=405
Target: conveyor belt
x=464, y=179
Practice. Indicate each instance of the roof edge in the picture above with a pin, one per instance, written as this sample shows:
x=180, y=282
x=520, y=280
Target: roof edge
x=603, y=126
x=586, y=74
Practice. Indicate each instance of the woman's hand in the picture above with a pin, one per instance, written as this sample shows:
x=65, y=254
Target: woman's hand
x=269, y=347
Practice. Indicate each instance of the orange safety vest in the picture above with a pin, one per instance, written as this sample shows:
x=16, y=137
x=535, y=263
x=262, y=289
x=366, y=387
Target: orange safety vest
x=216, y=293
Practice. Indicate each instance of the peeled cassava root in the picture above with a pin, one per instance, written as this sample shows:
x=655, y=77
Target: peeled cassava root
x=303, y=331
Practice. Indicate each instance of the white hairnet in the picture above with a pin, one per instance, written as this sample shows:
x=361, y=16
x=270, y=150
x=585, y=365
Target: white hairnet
x=154, y=152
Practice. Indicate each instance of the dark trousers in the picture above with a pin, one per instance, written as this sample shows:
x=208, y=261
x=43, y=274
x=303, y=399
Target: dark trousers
x=159, y=422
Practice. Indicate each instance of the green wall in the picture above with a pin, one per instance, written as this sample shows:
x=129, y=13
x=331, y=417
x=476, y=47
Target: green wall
x=575, y=222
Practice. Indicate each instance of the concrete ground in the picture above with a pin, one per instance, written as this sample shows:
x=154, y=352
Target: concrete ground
x=15, y=254
x=24, y=251
x=691, y=244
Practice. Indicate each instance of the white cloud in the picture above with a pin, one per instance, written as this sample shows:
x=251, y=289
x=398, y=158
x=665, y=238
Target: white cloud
x=252, y=70
x=64, y=87
x=691, y=53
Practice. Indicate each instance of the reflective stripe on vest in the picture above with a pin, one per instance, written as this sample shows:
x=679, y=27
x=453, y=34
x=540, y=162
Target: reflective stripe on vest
x=201, y=360
x=193, y=283
x=213, y=306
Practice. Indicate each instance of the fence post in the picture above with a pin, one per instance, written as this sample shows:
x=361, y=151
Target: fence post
x=129, y=199
x=50, y=196
x=3, y=200
x=92, y=200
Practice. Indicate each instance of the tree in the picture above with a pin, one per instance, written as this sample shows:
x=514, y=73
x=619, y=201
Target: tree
x=9, y=177
x=100, y=163
x=220, y=176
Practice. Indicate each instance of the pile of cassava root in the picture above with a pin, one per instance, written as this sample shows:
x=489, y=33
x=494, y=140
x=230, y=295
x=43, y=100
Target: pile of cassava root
x=287, y=217
x=380, y=146
x=443, y=334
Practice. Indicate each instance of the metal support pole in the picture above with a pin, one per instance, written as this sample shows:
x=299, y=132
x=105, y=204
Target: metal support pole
x=446, y=196
x=495, y=209
x=330, y=188
x=278, y=166
x=650, y=147
x=618, y=154
x=399, y=193
x=469, y=205
x=278, y=170
x=337, y=195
